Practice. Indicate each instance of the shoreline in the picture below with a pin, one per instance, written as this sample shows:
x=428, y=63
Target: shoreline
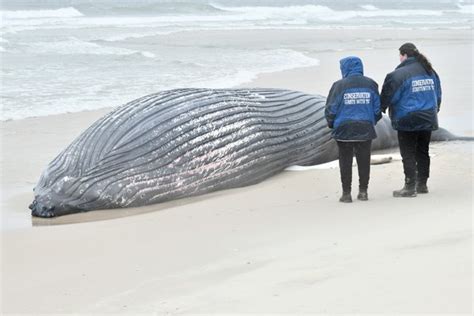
x=371, y=46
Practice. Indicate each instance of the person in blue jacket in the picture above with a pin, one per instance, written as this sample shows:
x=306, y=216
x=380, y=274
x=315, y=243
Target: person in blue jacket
x=412, y=94
x=352, y=110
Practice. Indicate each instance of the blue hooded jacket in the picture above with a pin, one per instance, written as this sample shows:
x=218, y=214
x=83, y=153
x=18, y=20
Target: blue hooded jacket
x=353, y=103
x=413, y=97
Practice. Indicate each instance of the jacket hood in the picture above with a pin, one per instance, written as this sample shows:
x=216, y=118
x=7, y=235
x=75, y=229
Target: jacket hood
x=351, y=66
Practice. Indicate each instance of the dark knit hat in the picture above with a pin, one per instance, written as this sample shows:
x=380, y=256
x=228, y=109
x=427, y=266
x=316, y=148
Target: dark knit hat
x=408, y=49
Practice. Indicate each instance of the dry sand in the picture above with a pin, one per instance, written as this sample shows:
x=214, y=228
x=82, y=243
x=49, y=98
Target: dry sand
x=283, y=246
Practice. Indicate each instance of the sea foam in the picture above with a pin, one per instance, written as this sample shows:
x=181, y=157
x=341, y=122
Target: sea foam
x=74, y=46
x=29, y=14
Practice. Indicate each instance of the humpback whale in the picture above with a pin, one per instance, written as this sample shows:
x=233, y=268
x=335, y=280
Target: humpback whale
x=186, y=142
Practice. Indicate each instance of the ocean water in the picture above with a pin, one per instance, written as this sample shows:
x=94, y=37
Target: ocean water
x=61, y=56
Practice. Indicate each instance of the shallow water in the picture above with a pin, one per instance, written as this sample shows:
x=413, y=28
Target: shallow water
x=83, y=56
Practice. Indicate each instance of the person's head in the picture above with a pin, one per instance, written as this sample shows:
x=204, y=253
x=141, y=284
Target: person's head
x=351, y=65
x=408, y=50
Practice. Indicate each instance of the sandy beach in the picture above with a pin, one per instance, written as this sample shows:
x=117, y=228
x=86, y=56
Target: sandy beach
x=284, y=246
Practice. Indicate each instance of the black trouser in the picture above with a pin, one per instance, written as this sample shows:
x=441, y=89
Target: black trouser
x=362, y=153
x=414, y=148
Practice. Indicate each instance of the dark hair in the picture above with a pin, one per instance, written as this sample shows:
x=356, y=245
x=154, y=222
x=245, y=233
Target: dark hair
x=410, y=50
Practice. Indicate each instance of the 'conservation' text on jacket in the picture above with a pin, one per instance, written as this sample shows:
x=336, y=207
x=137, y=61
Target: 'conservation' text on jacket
x=353, y=103
x=413, y=97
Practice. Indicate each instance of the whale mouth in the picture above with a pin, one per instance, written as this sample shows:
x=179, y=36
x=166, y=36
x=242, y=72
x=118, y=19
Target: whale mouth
x=39, y=210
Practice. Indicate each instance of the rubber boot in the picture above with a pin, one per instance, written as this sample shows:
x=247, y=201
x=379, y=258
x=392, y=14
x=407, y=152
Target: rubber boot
x=362, y=196
x=407, y=191
x=346, y=197
x=421, y=187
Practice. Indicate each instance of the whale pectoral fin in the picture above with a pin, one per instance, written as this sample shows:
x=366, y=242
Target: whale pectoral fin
x=378, y=160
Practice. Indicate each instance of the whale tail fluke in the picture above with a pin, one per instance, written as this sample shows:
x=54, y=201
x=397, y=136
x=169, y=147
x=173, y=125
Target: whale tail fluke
x=464, y=138
x=442, y=134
